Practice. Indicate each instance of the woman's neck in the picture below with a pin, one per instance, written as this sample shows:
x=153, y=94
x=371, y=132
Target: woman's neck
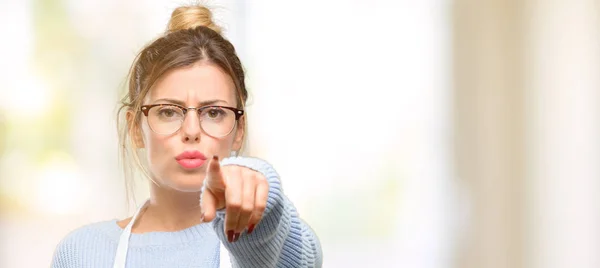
x=169, y=210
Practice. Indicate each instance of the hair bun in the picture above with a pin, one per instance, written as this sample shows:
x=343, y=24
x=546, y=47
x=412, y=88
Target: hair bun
x=189, y=17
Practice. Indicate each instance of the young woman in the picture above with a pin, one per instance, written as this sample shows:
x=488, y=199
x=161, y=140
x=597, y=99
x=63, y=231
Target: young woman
x=185, y=123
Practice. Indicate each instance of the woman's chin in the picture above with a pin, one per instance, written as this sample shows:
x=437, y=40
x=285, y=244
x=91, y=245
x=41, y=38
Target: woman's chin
x=187, y=188
x=187, y=183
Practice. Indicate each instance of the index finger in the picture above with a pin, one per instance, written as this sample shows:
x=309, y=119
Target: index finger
x=214, y=177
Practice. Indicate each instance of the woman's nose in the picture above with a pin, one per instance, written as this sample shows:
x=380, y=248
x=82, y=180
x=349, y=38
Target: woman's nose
x=191, y=127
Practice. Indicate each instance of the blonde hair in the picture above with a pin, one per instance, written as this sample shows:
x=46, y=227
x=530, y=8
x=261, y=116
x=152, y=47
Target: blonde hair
x=189, y=17
x=191, y=36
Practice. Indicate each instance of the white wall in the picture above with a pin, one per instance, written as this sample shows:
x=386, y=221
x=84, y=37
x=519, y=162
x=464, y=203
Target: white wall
x=351, y=104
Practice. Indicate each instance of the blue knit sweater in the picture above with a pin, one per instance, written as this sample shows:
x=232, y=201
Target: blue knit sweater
x=281, y=239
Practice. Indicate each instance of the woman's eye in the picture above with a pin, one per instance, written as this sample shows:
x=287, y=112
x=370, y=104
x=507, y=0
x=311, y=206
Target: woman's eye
x=214, y=113
x=169, y=112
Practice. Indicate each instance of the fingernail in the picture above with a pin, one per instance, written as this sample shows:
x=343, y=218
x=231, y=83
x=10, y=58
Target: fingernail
x=250, y=228
x=215, y=157
x=230, y=236
x=236, y=236
x=202, y=217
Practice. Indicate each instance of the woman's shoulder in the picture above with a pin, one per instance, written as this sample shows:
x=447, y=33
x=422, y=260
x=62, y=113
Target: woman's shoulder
x=83, y=240
x=91, y=232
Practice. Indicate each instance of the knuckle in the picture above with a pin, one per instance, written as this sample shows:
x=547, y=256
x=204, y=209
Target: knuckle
x=234, y=205
x=247, y=208
x=260, y=208
x=248, y=173
x=229, y=171
x=257, y=216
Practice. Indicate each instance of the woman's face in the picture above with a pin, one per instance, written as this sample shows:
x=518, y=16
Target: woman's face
x=192, y=86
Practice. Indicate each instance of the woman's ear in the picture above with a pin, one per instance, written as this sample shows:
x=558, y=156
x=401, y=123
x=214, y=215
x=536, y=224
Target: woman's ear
x=238, y=140
x=135, y=132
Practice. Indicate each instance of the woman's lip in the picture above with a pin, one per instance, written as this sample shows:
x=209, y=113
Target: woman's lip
x=191, y=155
x=191, y=163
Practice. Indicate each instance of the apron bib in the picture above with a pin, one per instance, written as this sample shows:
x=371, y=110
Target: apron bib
x=121, y=257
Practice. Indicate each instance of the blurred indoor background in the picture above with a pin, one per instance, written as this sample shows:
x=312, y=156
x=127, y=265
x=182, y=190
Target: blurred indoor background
x=430, y=133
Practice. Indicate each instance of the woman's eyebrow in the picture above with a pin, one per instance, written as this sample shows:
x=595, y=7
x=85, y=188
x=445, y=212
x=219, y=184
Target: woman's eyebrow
x=181, y=103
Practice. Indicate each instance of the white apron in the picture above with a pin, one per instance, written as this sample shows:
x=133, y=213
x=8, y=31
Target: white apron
x=121, y=257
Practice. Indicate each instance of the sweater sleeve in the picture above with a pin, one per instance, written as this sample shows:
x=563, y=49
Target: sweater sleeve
x=281, y=238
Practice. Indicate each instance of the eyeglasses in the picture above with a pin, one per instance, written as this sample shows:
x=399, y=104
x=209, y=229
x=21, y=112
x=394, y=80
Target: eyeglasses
x=215, y=121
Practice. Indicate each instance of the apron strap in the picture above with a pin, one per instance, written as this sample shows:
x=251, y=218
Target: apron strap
x=121, y=257
x=224, y=261
x=123, y=246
